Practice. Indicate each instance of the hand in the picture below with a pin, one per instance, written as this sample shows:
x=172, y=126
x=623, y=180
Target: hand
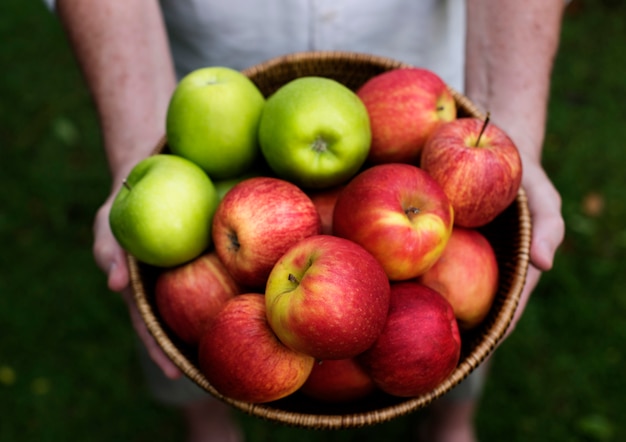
x=548, y=231
x=112, y=260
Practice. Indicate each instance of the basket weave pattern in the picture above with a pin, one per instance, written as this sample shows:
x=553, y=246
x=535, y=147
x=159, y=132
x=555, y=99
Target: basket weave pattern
x=509, y=235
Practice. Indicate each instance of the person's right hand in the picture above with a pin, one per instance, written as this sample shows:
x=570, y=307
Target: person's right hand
x=111, y=259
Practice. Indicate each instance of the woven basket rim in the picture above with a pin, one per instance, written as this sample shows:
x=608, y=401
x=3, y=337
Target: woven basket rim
x=490, y=338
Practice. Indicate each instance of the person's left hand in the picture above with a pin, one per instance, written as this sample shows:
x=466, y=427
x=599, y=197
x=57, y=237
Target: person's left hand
x=548, y=227
x=111, y=259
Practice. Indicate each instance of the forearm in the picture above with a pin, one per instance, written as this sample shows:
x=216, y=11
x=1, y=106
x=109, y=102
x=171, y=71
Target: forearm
x=510, y=52
x=511, y=47
x=124, y=55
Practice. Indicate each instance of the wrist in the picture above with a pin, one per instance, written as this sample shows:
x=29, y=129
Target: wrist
x=525, y=129
x=123, y=159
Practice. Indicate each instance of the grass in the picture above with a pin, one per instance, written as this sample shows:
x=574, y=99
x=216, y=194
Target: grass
x=68, y=368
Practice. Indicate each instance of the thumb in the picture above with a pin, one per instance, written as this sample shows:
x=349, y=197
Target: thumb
x=109, y=256
x=111, y=259
x=544, y=203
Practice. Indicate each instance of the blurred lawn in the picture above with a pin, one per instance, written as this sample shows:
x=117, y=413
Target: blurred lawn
x=68, y=368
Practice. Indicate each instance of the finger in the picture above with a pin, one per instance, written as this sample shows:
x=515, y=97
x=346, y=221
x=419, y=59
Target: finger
x=548, y=225
x=109, y=256
x=104, y=246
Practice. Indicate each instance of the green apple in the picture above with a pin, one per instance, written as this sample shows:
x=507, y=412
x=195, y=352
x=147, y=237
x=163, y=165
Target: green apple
x=212, y=120
x=162, y=214
x=223, y=186
x=315, y=132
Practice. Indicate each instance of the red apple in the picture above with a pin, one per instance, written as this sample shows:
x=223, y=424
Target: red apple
x=405, y=106
x=327, y=297
x=256, y=222
x=466, y=275
x=420, y=345
x=478, y=167
x=340, y=380
x=399, y=214
x=189, y=296
x=324, y=201
x=242, y=358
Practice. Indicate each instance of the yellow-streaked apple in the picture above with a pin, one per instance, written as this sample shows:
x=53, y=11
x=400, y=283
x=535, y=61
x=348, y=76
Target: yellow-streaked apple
x=466, y=274
x=242, y=358
x=478, y=166
x=327, y=297
x=256, y=222
x=399, y=214
x=189, y=296
x=405, y=105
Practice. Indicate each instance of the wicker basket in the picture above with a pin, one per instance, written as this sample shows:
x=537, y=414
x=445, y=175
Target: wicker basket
x=509, y=234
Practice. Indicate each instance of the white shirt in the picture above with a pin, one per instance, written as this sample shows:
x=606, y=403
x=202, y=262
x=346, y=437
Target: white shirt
x=241, y=33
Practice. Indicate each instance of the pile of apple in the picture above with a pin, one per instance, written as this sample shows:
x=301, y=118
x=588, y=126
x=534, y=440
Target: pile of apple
x=321, y=240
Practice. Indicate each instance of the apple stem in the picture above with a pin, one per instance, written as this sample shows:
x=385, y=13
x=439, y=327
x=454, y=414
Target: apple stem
x=234, y=241
x=292, y=278
x=482, y=130
x=411, y=211
x=319, y=145
x=125, y=184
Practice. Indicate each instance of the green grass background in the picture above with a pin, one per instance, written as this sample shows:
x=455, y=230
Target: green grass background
x=68, y=367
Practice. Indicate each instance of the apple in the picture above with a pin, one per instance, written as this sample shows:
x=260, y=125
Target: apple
x=256, y=222
x=324, y=201
x=189, y=296
x=420, y=345
x=399, y=214
x=478, y=166
x=242, y=358
x=338, y=380
x=212, y=120
x=466, y=274
x=223, y=186
x=314, y=132
x=405, y=105
x=327, y=297
x=162, y=215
